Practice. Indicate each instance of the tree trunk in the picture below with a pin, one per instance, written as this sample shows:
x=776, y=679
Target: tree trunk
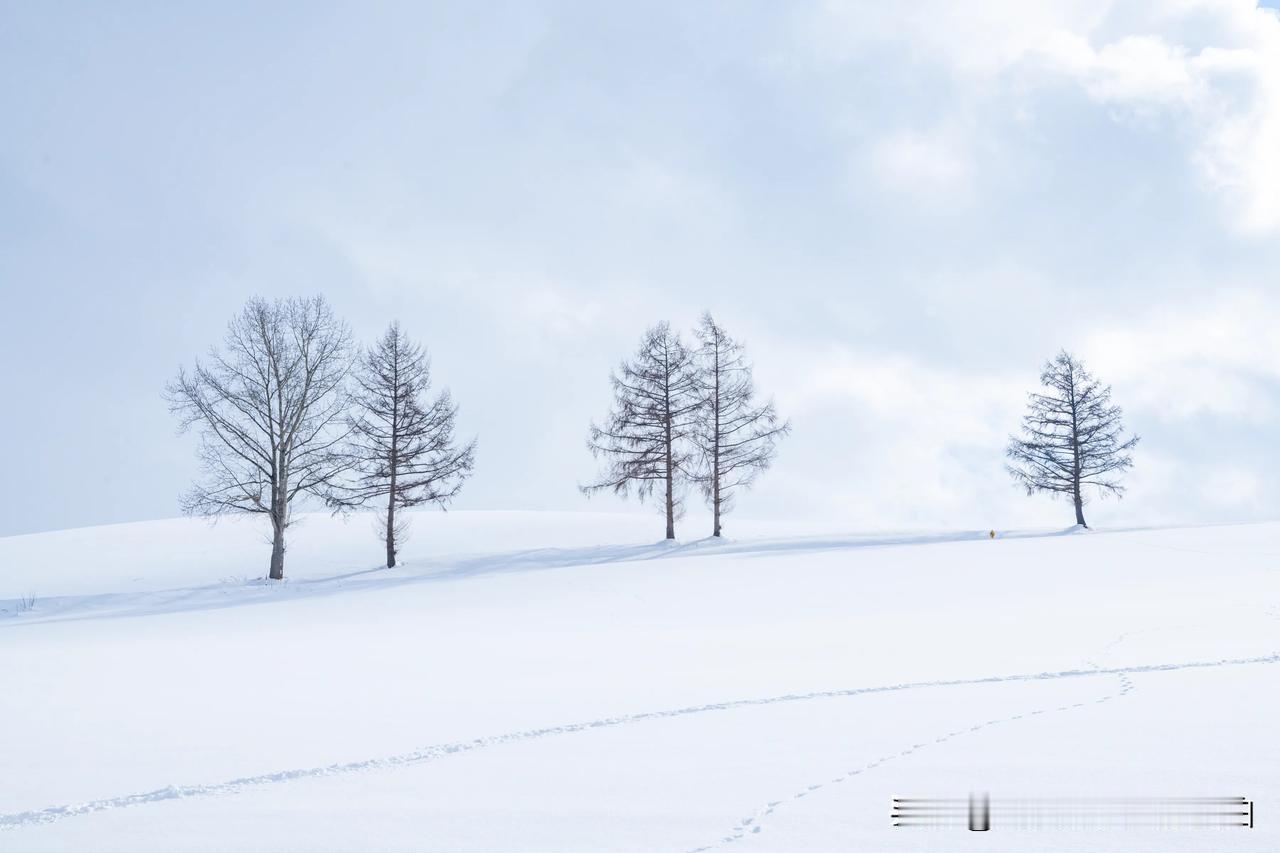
x=715, y=499
x=395, y=457
x=715, y=456
x=671, y=497
x=391, y=531
x=391, y=515
x=1075, y=456
x=277, y=551
x=279, y=517
x=671, y=502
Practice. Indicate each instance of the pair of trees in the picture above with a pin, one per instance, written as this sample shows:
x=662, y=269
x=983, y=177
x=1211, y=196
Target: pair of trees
x=288, y=407
x=1072, y=437
x=685, y=415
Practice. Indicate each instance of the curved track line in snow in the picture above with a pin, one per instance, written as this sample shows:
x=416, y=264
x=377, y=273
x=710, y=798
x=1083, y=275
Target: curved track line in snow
x=753, y=824
x=430, y=753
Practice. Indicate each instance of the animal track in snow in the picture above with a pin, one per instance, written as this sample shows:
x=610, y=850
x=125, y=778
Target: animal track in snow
x=1126, y=685
x=753, y=823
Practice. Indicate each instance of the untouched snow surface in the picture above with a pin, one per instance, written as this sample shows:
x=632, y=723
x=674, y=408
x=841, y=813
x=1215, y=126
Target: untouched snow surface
x=561, y=682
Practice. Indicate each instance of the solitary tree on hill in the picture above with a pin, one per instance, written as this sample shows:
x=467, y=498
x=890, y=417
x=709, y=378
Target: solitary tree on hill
x=1072, y=437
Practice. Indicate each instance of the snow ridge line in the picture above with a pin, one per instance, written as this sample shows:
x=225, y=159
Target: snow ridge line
x=429, y=753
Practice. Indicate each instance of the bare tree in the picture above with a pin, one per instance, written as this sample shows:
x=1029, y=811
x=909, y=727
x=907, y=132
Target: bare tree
x=1072, y=437
x=734, y=438
x=271, y=408
x=644, y=438
x=402, y=445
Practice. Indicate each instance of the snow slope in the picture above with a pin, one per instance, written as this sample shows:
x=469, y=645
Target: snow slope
x=556, y=682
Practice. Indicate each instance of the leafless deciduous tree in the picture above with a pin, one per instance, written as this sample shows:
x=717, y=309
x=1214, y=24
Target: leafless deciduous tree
x=644, y=439
x=402, y=445
x=270, y=406
x=734, y=439
x=1072, y=437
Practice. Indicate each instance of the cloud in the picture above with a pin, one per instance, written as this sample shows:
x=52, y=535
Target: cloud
x=1211, y=67
x=973, y=38
x=887, y=440
x=1216, y=356
x=1136, y=69
x=1226, y=96
x=935, y=165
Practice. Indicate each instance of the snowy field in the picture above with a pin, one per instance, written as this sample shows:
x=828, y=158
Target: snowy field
x=559, y=682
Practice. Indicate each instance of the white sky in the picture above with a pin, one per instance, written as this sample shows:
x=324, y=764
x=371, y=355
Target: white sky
x=902, y=208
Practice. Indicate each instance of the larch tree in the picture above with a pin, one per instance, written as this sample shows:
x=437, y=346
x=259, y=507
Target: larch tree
x=734, y=438
x=645, y=438
x=270, y=406
x=1072, y=437
x=403, y=448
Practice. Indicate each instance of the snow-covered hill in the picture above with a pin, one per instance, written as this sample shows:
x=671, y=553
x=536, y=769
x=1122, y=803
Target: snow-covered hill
x=557, y=682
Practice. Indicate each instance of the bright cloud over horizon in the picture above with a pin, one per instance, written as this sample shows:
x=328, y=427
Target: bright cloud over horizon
x=902, y=209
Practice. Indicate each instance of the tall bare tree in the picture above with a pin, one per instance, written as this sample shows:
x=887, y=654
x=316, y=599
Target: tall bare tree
x=402, y=444
x=644, y=437
x=1072, y=437
x=270, y=406
x=734, y=438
